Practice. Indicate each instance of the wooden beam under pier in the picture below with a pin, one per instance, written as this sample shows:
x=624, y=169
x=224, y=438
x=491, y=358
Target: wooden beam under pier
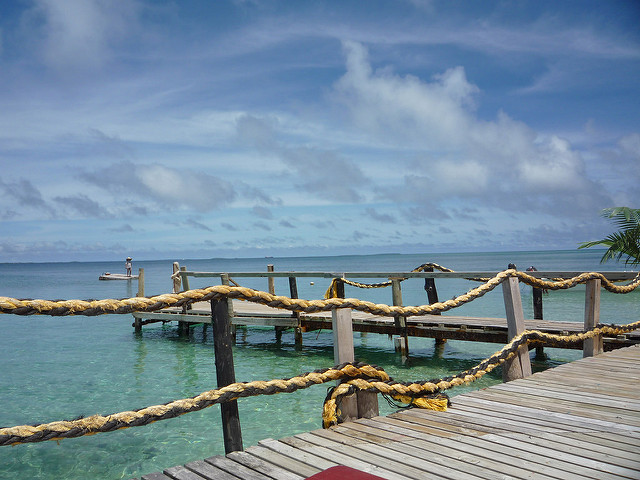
x=450, y=327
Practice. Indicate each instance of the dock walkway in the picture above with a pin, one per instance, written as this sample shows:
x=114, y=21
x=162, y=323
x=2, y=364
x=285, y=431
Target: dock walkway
x=578, y=420
x=449, y=327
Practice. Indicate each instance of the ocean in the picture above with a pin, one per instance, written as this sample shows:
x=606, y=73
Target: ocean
x=58, y=368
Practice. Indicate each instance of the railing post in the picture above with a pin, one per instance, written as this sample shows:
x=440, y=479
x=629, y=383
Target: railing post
x=183, y=327
x=184, y=278
x=537, y=312
x=592, y=346
x=293, y=291
x=225, y=373
x=140, y=283
x=176, y=277
x=343, y=352
x=224, y=280
x=520, y=365
x=362, y=404
x=270, y=281
x=185, y=286
x=401, y=322
x=432, y=297
x=137, y=322
x=340, y=288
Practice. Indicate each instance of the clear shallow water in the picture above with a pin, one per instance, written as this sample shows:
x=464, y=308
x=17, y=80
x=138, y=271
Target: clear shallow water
x=61, y=368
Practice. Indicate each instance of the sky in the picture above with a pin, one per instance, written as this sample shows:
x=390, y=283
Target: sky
x=197, y=129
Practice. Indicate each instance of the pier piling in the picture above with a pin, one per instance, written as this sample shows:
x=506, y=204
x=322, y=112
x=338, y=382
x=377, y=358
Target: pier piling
x=225, y=373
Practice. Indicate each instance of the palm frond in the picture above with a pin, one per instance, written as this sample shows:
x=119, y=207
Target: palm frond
x=626, y=242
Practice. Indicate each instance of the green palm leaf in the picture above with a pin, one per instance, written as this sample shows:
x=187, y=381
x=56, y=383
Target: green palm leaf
x=626, y=242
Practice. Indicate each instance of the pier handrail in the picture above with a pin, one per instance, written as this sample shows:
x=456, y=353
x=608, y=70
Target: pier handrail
x=158, y=302
x=358, y=377
x=610, y=275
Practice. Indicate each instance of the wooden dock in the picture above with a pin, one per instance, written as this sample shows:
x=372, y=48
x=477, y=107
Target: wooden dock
x=578, y=420
x=442, y=327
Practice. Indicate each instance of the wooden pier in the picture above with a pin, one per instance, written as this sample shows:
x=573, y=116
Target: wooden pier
x=480, y=329
x=578, y=420
x=440, y=327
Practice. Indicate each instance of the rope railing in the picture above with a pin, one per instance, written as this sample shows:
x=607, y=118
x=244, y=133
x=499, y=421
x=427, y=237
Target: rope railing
x=355, y=376
x=150, y=304
x=332, y=291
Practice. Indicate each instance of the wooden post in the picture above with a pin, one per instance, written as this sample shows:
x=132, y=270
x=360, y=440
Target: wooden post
x=224, y=280
x=340, y=288
x=592, y=346
x=185, y=286
x=537, y=315
x=140, y=283
x=520, y=365
x=432, y=297
x=270, y=281
x=184, y=278
x=175, y=277
x=137, y=322
x=363, y=404
x=293, y=292
x=537, y=312
x=343, y=352
x=225, y=373
x=401, y=322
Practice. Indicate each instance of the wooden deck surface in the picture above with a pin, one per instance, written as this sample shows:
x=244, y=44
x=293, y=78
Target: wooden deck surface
x=578, y=420
x=445, y=326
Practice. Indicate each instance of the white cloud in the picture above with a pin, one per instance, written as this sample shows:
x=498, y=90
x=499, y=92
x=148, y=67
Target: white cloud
x=79, y=33
x=464, y=155
x=167, y=188
x=313, y=170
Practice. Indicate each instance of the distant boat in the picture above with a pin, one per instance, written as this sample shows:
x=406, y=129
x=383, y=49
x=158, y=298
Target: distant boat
x=116, y=276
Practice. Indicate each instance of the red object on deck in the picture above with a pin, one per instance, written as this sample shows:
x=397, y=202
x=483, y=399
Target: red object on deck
x=343, y=473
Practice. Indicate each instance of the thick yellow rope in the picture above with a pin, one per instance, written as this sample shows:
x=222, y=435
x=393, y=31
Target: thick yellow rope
x=363, y=377
x=217, y=292
x=423, y=394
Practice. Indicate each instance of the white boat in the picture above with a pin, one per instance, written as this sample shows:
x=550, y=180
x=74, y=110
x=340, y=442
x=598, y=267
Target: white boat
x=116, y=276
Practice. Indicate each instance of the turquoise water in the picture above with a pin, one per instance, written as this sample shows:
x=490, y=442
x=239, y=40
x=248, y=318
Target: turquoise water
x=63, y=367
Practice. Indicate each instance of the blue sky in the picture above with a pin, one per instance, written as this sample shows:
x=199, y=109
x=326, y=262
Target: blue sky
x=182, y=129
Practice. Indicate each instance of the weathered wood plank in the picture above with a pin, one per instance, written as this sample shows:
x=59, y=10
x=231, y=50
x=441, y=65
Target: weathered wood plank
x=342, y=457
x=566, y=453
x=208, y=471
x=234, y=468
x=259, y=465
x=156, y=476
x=494, y=449
x=542, y=419
x=283, y=461
x=301, y=455
x=182, y=473
x=333, y=439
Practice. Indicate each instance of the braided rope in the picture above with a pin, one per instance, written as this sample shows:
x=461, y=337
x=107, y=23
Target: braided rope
x=358, y=376
x=429, y=394
x=99, y=423
x=332, y=291
x=218, y=292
